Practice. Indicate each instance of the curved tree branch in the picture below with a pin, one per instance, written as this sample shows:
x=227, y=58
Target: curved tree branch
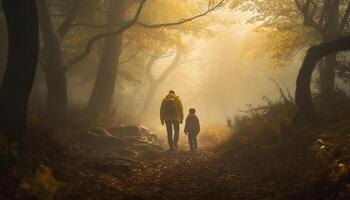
x=181, y=21
x=165, y=55
x=94, y=39
x=123, y=27
x=129, y=58
x=306, y=111
x=88, y=25
x=69, y=20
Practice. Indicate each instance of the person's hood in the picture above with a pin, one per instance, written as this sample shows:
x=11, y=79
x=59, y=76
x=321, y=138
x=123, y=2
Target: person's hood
x=171, y=96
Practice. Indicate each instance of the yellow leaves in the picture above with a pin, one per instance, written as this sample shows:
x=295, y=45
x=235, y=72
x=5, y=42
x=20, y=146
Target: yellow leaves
x=160, y=11
x=42, y=185
x=286, y=45
x=284, y=35
x=278, y=45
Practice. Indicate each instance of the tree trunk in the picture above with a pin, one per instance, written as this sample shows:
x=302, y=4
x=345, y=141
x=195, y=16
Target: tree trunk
x=102, y=93
x=55, y=73
x=154, y=83
x=149, y=99
x=305, y=110
x=327, y=77
x=327, y=72
x=22, y=25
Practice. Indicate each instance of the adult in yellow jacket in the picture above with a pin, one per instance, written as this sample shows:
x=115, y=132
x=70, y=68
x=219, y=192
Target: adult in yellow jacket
x=171, y=114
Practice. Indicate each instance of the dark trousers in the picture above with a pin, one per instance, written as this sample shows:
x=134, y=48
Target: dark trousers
x=169, y=127
x=192, y=140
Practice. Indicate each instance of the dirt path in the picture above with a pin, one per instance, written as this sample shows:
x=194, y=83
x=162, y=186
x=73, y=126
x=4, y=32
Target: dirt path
x=243, y=172
x=203, y=175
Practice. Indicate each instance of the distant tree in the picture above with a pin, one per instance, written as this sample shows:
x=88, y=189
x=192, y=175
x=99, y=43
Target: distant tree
x=297, y=24
x=330, y=19
x=105, y=84
x=157, y=41
x=154, y=82
x=53, y=63
x=102, y=93
x=22, y=26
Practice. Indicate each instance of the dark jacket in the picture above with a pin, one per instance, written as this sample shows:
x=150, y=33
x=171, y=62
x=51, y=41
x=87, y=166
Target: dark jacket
x=192, y=124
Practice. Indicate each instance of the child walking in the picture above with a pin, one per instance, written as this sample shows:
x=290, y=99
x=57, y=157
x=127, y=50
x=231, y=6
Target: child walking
x=192, y=128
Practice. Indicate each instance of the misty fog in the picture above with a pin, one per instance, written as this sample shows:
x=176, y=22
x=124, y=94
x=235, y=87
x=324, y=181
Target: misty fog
x=218, y=77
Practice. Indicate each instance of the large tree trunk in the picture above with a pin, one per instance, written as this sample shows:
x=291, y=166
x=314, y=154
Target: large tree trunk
x=306, y=111
x=22, y=25
x=55, y=73
x=102, y=94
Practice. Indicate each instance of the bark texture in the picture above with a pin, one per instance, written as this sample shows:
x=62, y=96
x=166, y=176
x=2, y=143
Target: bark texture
x=53, y=63
x=103, y=91
x=22, y=25
x=55, y=75
x=330, y=33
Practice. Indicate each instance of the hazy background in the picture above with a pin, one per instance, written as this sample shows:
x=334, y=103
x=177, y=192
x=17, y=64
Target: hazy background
x=219, y=75
x=223, y=75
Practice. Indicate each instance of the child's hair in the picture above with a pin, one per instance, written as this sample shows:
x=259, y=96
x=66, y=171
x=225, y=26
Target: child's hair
x=192, y=110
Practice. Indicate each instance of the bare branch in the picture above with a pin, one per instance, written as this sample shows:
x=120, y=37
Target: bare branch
x=308, y=18
x=165, y=55
x=88, y=25
x=94, y=39
x=181, y=21
x=130, y=57
x=123, y=27
x=69, y=20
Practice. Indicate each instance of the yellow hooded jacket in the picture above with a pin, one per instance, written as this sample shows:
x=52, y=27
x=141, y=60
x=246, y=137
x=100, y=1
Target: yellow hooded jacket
x=165, y=115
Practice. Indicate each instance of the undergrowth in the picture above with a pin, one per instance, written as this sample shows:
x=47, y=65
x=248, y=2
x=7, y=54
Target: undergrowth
x=25, y=171
x=318, y=154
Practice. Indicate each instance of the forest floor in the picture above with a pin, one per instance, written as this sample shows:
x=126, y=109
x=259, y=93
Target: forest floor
x=134, y=164
x=201, y=175
x=210, y=173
